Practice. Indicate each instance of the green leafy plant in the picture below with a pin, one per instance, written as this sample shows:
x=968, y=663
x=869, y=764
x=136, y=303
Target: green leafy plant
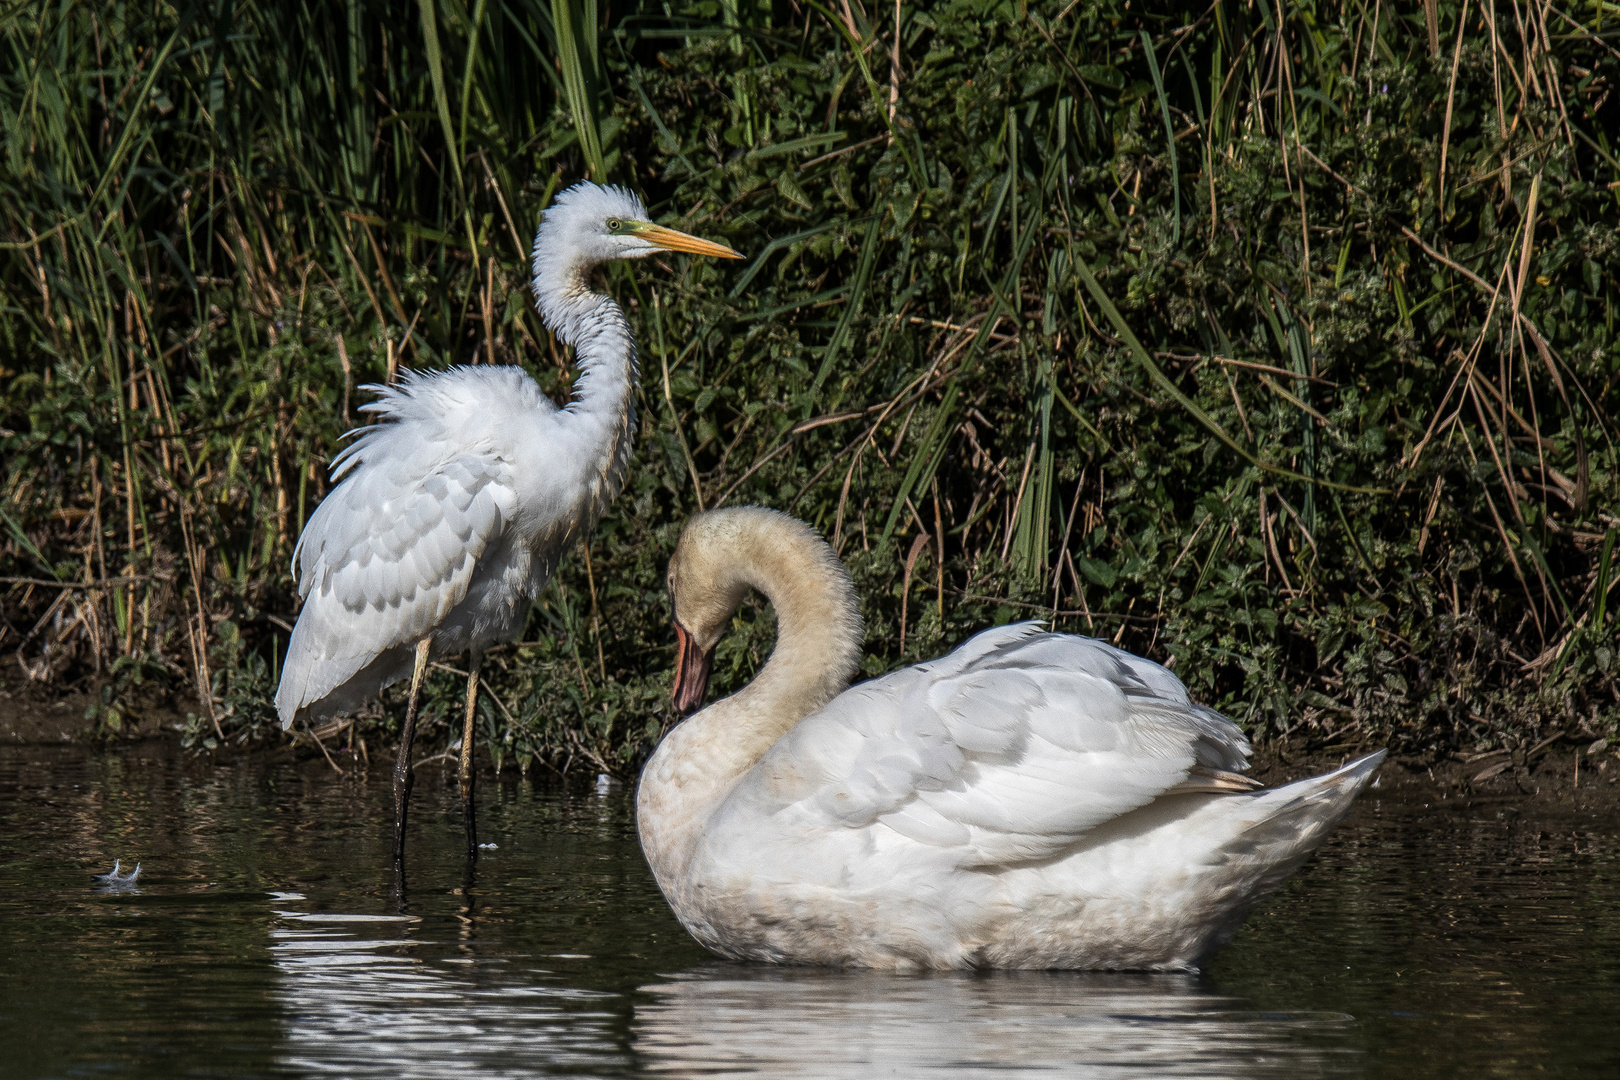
x=1269, y=342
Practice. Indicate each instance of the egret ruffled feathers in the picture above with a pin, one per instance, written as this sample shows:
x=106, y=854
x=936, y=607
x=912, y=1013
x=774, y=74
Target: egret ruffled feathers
x=450, y=514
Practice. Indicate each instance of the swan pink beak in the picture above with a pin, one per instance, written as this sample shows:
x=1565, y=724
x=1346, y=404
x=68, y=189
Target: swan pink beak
x=692, y=667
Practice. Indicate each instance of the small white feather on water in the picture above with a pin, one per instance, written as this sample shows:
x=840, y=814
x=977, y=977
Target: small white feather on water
x=113, y=881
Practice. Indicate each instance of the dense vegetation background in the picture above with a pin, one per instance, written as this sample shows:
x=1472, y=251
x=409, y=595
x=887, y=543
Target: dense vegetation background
x=1275, y=341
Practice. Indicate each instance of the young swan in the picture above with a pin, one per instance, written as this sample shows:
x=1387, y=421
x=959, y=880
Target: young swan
x=1030, y=800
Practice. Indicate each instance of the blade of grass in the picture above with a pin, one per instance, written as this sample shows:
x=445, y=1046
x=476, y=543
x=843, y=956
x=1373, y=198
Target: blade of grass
x=1169, y=131
x=575, y=38
x=852, y=307
x=441, y=99
x=1140, y=355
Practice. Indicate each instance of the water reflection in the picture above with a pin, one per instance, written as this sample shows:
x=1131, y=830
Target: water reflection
x=1465, y=940
x=358, y=1002
x=362, y=996
x=760, y=1022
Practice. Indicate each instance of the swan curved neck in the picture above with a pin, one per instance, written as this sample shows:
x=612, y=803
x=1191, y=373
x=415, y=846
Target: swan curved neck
x=818, y=636
x=818, y=622
x=818, y=641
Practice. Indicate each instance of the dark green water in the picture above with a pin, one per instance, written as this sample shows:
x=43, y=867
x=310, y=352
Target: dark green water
x=264, y=941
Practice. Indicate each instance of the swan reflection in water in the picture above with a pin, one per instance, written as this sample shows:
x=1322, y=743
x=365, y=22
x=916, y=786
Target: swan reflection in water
x=807, y=1022
x=362, y=996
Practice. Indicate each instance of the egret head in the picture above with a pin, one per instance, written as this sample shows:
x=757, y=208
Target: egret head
x=590, y=224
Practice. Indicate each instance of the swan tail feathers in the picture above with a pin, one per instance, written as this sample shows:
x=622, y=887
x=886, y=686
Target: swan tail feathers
x=1271, y=835
x=1296, y=818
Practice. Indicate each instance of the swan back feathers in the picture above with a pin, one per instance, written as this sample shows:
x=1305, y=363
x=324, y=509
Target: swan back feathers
x=1009, y=749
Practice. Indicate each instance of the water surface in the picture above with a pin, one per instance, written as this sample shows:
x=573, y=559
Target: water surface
x=263, y=939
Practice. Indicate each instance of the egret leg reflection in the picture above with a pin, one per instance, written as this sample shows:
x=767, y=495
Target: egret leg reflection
x=402, y=764
x=469, y=809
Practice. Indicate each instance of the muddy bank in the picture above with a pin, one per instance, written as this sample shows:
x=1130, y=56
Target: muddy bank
x=32, y=716
x=1577, y=775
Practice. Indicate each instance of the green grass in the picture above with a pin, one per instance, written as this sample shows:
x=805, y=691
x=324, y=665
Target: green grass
x=1282, y=351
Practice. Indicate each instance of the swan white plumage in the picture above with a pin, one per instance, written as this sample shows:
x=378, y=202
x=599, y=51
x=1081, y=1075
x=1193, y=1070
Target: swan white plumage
x=1031, y=800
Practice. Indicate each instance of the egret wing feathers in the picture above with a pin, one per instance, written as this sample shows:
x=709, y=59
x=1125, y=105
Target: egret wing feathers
x=393, y=550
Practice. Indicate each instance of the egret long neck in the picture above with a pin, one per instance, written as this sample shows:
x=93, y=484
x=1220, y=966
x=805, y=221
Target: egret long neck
x=818, y=640
x=601, y=414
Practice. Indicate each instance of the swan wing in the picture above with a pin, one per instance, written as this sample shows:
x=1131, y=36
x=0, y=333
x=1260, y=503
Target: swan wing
x=1007, y=750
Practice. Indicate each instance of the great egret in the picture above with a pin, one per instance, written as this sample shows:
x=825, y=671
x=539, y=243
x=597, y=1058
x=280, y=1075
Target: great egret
x=453, y=512
x=1031, y=800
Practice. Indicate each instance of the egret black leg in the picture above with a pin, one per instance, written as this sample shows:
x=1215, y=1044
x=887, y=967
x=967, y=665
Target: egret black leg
x=469, y=809
x=402, y=764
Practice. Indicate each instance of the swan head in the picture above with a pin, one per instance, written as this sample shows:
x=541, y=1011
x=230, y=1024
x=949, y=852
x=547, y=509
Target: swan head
x=704, y=591
x=724, y=553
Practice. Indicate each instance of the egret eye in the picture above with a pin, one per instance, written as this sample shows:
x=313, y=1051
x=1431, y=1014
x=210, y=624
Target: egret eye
x=614, y=225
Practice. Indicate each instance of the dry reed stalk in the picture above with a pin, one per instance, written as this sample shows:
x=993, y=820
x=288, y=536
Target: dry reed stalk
x=905, y=583
x=1451, y=93
x=939, y=552
x=1271, y=543
x=1018, y=501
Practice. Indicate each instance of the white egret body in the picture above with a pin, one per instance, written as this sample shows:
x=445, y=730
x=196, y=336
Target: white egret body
x=452, y=513
x=1031, y=800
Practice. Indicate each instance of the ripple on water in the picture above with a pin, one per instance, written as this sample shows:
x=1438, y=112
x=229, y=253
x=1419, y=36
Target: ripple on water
x=264, y=940
x=810, y=1023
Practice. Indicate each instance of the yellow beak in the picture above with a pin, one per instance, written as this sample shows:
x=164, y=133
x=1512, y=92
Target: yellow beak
x=670, y=240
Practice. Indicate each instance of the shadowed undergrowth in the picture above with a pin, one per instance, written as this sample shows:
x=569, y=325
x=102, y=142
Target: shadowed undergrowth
x=1276, y=343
